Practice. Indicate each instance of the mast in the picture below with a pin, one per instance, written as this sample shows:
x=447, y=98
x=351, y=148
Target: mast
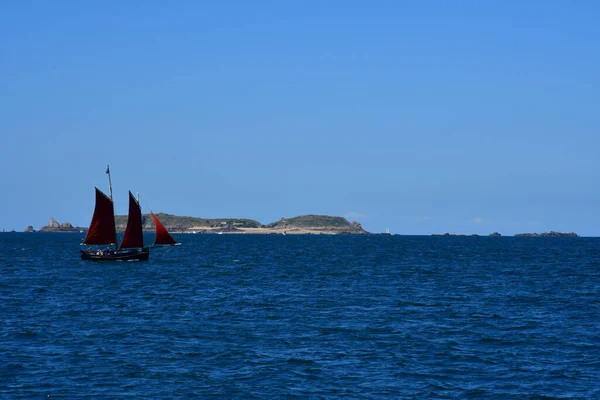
x=109, y=182
x=111, y=199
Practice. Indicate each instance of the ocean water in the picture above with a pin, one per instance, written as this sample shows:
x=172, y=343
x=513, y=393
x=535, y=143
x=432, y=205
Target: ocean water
x=244, y=316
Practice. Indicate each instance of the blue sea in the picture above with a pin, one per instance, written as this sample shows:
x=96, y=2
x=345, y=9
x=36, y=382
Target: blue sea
x=307, y=317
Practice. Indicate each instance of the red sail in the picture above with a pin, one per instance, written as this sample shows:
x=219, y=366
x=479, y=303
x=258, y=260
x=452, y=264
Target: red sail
x=162, y=236
x=102, y=228
x=133, y=233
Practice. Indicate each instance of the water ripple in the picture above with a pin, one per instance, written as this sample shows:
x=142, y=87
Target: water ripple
x=303, y=316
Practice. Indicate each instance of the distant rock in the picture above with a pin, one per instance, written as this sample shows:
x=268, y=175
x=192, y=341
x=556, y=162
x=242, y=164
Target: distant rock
x=54, y=226
x=30, y=229
x=549, y=234
x=229, y=228
x=495, y=234
x=356, y=227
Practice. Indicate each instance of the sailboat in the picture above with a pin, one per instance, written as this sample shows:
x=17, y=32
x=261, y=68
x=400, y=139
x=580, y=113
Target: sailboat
x=102, y=231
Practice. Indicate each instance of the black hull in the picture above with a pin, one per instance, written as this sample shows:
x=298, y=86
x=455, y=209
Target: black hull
x=126, y=255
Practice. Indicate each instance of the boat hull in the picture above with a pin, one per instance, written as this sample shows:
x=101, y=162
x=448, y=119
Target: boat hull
x=127, y=255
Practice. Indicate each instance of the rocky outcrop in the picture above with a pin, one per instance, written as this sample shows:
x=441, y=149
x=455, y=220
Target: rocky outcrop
x=549, y=234
x=495, y=234
x=356, y=227
x=228, y=228
x=54, y=226
x=30, y=229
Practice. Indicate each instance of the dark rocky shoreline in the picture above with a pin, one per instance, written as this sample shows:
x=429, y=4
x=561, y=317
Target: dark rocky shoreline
x=544, y=234
x=549, y=234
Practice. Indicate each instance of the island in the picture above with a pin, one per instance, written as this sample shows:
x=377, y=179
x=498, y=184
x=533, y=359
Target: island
x=304, y=224
x=549, y=234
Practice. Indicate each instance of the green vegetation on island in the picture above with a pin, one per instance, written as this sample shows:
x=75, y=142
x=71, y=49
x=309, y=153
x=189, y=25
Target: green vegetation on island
x=308, y=221
x=321, y=223
x=177, y=223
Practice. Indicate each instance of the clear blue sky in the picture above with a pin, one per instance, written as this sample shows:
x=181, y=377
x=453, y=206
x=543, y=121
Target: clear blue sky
x=424, y=116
